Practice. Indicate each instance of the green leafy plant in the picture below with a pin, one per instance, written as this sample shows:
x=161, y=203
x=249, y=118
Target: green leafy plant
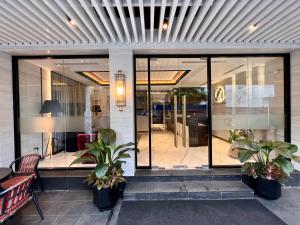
x=235, y=135
x=108, y=159
x=267, y=159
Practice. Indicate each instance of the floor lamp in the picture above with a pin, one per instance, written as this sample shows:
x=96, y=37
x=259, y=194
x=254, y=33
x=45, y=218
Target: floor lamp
x=53, y=107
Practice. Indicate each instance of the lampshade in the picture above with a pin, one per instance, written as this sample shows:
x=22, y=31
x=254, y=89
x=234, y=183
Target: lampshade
x=51, y=106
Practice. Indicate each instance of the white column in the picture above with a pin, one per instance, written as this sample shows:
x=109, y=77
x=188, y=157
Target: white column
x=295, y=104
x=123, y=121
x=7, y=152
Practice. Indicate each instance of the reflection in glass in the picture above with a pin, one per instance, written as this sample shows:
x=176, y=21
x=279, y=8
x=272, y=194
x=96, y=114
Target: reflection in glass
x=80, y=89
x=248, y=100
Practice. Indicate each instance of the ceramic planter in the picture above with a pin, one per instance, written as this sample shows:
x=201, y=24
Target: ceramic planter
x=269, y=189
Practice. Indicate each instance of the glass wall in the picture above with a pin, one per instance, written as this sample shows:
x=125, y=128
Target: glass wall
x=142, y=112
x=247, y=99
x=63, y=103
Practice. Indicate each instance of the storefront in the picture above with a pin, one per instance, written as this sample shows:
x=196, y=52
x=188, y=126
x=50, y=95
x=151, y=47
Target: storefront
x=195, y=101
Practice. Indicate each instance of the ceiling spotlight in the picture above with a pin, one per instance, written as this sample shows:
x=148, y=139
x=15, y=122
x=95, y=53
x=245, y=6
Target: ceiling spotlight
x=165, y=24
x=252, y=28
x=71, y=22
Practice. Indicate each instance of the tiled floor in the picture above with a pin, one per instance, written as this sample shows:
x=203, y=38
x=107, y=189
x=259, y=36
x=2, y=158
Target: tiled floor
x=166, y=155
x=63, y=208
x=76, y=208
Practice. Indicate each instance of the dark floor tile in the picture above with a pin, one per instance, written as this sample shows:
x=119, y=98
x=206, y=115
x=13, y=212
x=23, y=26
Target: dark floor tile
x=92, y=219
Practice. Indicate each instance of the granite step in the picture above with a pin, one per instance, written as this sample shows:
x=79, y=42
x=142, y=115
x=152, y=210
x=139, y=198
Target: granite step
x=227, y=174
x=191, y=190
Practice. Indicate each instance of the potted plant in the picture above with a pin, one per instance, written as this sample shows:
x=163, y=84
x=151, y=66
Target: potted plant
x=107, y=178
x=269, y=163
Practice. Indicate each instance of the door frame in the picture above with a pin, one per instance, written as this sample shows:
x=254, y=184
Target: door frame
x=287, y=97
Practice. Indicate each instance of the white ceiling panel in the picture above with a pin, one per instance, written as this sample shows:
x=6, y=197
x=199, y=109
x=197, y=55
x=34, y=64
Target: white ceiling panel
x=108, y=23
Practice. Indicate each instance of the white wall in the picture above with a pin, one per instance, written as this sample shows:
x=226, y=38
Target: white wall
x=7, y=154
x=123, y=122
x=295, y=100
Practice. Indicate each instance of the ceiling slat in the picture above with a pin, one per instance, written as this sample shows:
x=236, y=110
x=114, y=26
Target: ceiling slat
x=106, y=22
x=199, y=19
x=250, y=19
x=152, y=21
x=179, y=22
x=142, y=18
x=171, y=19
x=64, y=18
x=267, y=18
x=23, y=22
x=208, y=19
x=132, y=19
x=224, y=12
x=80, y=27
x=113, y=19
x=241, y=15
x=282, y=33
x=87, y=23
x=51, y=27
x=190, y=17
x=220, y=29
x=123, y=19
x=45, y=10
x=9, y=33
x=279, y=23
x=161, y=19
x=95, y=19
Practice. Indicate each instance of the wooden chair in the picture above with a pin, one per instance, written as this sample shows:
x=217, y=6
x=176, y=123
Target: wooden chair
x=18, y=191
x=27, y=165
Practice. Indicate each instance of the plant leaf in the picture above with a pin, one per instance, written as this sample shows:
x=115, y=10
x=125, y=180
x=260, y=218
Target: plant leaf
x=245, y=154
x=101, y=170
x=284, y=164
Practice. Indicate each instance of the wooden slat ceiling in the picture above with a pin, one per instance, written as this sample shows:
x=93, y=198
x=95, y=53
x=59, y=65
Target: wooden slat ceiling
x=47, y=22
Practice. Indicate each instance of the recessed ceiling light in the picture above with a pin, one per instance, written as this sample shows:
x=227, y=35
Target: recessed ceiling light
x=165, y=24
x=48, y=51
x=252, y=28
x=71, y=22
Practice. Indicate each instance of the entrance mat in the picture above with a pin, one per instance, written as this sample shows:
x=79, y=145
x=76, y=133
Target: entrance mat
x=204, y=212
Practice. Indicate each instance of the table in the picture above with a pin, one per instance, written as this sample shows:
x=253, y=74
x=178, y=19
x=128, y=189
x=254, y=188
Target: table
x=4, y=173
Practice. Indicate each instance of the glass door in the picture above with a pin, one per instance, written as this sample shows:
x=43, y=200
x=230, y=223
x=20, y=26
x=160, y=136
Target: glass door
x=172, y=96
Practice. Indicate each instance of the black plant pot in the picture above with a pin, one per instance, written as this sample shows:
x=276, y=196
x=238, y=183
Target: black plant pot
x=121, y=188
x=269, y=189
x=105, y=198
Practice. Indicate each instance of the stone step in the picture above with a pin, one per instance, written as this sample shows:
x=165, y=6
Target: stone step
x=228, y=174
x=192, y=190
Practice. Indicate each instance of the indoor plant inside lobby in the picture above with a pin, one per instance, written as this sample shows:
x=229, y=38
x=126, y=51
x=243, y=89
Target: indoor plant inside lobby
x=268, y=164
x=107, y=177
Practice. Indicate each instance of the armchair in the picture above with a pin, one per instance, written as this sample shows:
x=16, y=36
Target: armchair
x=18, y=191
x=27, y=165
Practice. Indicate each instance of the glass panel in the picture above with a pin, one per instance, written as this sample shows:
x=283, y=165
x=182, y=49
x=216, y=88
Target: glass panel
x=248, y=99
x=63, y=104
x=179, y=125
x=142, y=112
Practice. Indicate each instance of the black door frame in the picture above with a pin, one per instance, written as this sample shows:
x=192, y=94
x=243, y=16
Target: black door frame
x=287, y=97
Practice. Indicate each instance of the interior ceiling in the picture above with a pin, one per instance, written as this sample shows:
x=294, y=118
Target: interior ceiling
x=105, y=23
x=169, y=71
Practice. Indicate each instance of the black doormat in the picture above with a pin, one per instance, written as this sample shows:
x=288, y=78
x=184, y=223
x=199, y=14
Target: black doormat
x=206, y=212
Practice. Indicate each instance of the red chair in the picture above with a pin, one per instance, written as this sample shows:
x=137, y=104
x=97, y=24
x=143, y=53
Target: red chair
x=18, y=191
x=27, y=165
x=83, y=139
